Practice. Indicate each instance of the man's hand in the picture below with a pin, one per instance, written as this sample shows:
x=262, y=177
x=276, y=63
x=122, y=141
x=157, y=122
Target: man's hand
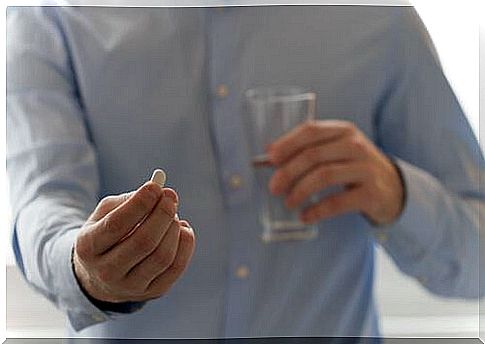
x=319, y=154
x=132, y=247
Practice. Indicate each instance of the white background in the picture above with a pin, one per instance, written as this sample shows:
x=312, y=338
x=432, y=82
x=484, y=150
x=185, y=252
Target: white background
x=406, y=309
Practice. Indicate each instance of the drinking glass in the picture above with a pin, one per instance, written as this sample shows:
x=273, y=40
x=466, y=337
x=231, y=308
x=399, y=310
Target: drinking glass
x=272, y=111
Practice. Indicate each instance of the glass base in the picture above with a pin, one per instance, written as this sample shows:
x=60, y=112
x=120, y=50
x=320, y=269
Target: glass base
x=275, y=235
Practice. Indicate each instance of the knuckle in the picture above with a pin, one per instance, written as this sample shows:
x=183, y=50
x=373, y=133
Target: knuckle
x=110, y=223
x=145, y=199
x=83, y=247
x=144, y=243
x=103, y=206
x=349, y=127
x=312, y=155
x=310, y=128
x=165, y=258
x=105, y=273
x=106, y=201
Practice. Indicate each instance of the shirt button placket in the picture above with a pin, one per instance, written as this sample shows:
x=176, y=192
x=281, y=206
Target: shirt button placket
x=234, y=171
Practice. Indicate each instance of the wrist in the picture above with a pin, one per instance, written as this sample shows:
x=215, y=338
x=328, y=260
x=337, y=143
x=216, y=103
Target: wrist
x=80, y=275
x=393, y=199
x=105, y=306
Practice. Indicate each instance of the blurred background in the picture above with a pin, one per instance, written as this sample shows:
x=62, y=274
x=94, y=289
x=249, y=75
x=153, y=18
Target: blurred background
x=406, y=309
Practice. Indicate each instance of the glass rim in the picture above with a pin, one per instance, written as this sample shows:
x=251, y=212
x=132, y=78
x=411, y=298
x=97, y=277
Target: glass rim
x=269, y=94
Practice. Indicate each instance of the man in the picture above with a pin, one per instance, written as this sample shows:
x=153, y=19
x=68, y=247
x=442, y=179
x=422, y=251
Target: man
x=99, y=97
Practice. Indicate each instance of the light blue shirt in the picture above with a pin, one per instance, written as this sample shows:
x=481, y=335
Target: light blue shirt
x=99, y=97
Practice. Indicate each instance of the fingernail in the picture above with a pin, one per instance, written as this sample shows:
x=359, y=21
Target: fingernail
x=171, y=195
x=169, y=206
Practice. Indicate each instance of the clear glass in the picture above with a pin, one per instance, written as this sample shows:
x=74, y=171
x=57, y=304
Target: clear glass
x=271, y=112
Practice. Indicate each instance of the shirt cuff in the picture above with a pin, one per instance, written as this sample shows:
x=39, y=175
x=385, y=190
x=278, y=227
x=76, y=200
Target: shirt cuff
x=80, y=310
x=408, y=239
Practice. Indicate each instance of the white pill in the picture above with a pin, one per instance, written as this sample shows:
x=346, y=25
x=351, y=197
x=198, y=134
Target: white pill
x=159, y=177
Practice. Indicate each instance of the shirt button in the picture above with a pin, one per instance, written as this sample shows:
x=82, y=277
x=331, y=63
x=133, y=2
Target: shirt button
x=242, y=272
x=382, y=237
x=222, y=91
x=235, y=181
x=97, y=317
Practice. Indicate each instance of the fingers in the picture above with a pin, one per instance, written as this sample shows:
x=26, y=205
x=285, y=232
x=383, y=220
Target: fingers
x=167, y=192
x=147, y=236
x=300, y=164
x=305, y=135
x=350, y=200
x=108, y=204
x=324, y=176
x=159, y=260
x=120, y=221
x=313, y=156
x=136, y=232
x=161, y=284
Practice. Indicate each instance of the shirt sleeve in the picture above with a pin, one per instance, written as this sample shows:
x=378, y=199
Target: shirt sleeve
x=421, y=125
x=51, y=163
